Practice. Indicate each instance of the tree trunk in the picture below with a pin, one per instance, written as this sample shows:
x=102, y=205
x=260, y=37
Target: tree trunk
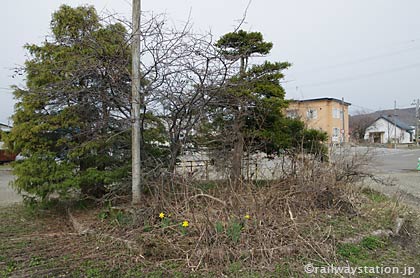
x=238, y=144
x=238, y=147
x=175, y=150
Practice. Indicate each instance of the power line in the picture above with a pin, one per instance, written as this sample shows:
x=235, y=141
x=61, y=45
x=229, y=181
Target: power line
x=409, y=41
x=363, y=108
x=358, y=77
x=362, y=60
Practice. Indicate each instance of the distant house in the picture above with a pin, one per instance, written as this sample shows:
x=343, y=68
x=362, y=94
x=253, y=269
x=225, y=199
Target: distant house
x=389, y=129
x=5, y=156
x=325, y=114
x=4, y=127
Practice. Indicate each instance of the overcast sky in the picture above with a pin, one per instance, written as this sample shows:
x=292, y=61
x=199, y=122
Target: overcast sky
x=367, y=51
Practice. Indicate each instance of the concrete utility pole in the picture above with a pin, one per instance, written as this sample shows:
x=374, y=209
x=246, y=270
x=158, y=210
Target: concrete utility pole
x=417, y=103
x=417, y=121
x=343, y=130
x=395, y=124
x=135, y=105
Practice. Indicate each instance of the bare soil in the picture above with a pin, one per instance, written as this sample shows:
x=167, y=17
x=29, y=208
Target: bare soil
x=42, y=243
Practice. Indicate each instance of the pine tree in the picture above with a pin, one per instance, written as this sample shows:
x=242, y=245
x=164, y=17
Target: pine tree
x=71, y=120
x=250, y=106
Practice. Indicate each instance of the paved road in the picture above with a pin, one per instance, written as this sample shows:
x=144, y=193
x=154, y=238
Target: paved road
x=400, y=166
x=7, y=195
x=396, y=160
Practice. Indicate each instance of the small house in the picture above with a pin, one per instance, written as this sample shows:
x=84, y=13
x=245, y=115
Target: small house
x=326, y=114
x=389, y=129
x=5, y=155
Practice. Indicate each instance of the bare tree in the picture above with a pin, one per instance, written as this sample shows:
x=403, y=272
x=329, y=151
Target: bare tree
x=181, y=71
x=358, y=123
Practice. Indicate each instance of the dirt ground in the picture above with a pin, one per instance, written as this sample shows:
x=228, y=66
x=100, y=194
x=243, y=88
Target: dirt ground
x=42, y=243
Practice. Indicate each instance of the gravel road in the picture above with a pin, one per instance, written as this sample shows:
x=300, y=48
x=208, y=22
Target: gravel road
x=7, y=195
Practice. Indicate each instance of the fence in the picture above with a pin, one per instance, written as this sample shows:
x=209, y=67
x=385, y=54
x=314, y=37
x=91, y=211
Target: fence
x=254, y=167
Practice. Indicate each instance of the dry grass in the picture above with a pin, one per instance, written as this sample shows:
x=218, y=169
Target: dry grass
x=260, y=225
x=259, y=229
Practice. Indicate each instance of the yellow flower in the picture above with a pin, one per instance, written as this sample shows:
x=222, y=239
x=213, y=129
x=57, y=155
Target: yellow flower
x=185, y=224
x=161, y=215
x=247, y=216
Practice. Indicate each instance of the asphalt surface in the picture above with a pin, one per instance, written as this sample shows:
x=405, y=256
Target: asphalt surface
x=399, y=167
x=396, y=160
x=7, y=194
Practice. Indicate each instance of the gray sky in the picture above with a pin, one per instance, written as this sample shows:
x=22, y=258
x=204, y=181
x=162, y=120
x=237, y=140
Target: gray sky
x=367, y=51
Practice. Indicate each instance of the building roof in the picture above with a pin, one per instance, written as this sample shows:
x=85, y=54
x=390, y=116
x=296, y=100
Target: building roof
x=5, y=127
x=321, y=99
x=396, y=121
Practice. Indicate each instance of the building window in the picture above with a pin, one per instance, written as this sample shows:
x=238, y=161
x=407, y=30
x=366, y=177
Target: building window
x=311, y=114
x=292, y=114
x=337, y=113
x=336, y=132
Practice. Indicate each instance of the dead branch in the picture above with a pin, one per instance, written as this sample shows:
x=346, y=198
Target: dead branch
x=208, y=196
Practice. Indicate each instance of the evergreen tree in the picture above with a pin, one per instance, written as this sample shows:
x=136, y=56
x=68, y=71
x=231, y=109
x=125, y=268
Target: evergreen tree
x=71, y=120
x=248, y=114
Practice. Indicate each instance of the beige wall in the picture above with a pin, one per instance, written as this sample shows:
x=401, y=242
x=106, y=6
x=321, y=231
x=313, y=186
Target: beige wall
x=324, y=119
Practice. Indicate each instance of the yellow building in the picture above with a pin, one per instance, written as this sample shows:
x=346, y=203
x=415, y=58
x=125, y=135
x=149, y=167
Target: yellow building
x=326, y=114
